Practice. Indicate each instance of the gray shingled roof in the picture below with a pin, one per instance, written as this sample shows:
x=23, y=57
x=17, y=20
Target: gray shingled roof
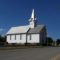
x=37, y=29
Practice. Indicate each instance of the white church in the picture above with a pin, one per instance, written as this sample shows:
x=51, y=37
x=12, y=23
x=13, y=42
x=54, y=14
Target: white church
x=31, y=34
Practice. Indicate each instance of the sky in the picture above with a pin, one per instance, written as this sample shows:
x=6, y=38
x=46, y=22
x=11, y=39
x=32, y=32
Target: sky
x=18, y=12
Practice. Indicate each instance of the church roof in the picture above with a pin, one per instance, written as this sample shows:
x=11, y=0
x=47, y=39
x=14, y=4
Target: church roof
x=37, y=29
x=25, y=29
x=19, y=29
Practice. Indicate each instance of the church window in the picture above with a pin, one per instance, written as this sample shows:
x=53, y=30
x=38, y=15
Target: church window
x=30, y=36
x=10, y=37
x=15, y=37
x=20, y=36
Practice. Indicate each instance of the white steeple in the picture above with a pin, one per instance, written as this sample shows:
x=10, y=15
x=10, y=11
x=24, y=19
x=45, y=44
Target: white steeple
x=32, y=20
x=32, y=15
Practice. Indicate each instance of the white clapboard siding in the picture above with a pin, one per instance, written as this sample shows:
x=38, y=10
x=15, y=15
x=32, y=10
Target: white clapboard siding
x=35, y=38
x=17, y=40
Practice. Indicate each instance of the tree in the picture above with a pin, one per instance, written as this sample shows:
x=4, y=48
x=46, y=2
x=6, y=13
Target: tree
x=58, y=41
x=2, y=40
x=49, y=41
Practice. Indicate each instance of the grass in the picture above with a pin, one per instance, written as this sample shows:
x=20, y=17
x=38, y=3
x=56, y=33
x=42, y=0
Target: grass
x=13, y=47
x=18, y=47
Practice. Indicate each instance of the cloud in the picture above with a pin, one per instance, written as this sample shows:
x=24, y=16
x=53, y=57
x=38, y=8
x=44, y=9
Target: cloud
x=1, y=29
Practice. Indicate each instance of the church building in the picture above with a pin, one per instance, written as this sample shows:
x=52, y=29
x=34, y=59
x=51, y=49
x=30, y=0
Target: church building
x=31, y=34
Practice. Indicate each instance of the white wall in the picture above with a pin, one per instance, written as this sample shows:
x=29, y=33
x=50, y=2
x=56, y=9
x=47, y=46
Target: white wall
x=35, y=38
x=22, y=41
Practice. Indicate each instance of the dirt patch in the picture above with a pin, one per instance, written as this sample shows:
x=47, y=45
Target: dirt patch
x=57, y=57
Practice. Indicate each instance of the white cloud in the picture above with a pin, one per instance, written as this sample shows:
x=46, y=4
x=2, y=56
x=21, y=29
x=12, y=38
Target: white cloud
x=1, y=29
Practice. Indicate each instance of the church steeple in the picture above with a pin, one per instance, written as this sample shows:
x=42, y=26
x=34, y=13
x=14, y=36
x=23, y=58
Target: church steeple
x=32, y=20
x=33, y=14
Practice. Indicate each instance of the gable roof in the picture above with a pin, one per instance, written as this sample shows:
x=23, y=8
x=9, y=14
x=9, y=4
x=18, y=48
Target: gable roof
x=25, y=29
x=19, y=29
x=37, y=29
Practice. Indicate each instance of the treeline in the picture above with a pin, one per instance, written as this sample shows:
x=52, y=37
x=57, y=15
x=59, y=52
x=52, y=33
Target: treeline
x=51, y=42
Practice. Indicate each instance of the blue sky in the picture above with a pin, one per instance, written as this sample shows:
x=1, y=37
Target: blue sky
x=17, y=12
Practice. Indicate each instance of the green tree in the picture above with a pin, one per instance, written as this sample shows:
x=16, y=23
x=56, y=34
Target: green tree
x=58, y=41
x=49, y=41
x=2, y=40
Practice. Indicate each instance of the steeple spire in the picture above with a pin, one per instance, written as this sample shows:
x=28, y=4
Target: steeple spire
x=33, y=15
x=32, y=20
